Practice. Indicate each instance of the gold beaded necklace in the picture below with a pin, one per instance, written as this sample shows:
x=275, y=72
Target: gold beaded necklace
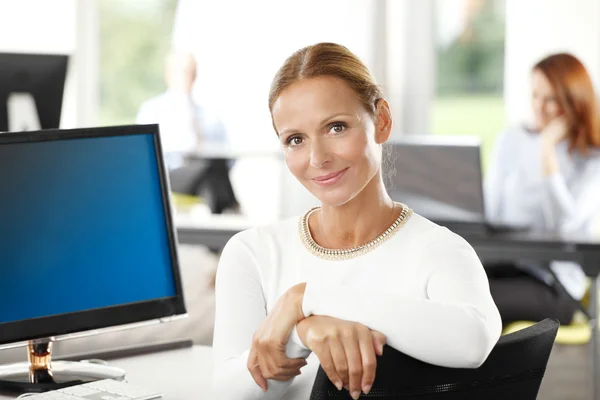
x=345, y=254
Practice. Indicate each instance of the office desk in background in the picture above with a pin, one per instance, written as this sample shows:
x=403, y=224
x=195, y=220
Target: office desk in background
x=213, y=231
x=489, y=246
x=225, y=152
x=220, y=175
x=181, y=374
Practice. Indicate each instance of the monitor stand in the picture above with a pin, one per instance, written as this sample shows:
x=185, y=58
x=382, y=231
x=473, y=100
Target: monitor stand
x=41, y=374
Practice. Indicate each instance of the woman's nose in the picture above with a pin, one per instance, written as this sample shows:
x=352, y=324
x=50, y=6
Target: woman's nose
x=319, y=154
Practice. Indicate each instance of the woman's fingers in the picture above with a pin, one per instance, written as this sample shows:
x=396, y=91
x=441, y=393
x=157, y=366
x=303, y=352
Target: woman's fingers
x=355, y=368
x=338, y=354
x=286, y=376
x=291, y=369
x=255, y=371
x=280, y=368
x=379, y=340
x=369, y=360
x=337, y=366
x=295, y=363
x=274, y=363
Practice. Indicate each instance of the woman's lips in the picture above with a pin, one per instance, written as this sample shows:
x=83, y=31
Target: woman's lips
x=330, y=179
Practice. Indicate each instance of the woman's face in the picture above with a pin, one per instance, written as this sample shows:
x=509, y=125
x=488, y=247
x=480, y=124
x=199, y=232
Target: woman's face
x=544, y=102
x=332, y=144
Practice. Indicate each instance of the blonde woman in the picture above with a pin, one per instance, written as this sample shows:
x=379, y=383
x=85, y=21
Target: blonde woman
x=332, y=286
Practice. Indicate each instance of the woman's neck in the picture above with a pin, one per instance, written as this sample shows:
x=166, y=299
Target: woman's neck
x=357, y=222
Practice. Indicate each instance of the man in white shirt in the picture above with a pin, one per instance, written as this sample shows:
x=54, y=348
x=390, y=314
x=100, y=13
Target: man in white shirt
x=184, y=126
x=187, y=128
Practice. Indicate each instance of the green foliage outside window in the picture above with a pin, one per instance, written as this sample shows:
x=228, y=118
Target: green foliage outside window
x=135, y=37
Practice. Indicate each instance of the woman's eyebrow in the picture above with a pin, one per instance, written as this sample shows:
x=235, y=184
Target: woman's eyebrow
x=287, y=131
x=325, y=120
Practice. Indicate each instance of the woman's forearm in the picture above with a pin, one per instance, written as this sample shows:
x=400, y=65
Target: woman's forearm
x=549, y=159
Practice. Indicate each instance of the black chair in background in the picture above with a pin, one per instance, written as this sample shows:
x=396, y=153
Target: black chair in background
x=513, y=370
x=208, y=179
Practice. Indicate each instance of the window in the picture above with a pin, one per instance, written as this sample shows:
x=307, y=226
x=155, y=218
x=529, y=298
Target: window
x=469, y=69
x=135, y=37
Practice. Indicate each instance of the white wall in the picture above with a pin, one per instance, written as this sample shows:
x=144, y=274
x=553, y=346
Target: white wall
x=536, y=28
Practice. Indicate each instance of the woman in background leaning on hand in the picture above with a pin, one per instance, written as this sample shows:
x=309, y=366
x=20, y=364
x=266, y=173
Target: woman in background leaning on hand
x=547, y=177
x=334, y=285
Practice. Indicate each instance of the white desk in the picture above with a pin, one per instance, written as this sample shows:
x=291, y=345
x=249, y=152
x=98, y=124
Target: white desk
x=210, y=230
x=181, y=374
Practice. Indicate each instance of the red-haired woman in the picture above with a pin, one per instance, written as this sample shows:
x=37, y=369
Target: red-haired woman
x=548, y=177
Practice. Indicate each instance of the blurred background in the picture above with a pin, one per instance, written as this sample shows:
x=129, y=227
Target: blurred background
x=447, y=67
x=458, y=67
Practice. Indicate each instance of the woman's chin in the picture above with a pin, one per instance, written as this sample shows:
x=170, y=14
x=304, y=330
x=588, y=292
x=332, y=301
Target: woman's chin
x=333, y=198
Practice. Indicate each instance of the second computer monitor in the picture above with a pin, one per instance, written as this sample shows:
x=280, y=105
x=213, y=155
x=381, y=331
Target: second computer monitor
x=439, y=177
x=31, y=90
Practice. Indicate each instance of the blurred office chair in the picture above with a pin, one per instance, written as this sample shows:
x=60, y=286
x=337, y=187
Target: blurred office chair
x=577, y=332
x=514, y=369
x=207, y=179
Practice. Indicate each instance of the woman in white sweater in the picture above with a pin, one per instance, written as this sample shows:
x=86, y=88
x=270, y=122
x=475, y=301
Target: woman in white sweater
x=547, y=176
x=333, y=286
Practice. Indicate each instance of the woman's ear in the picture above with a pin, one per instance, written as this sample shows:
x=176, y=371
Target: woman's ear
x=383, y=121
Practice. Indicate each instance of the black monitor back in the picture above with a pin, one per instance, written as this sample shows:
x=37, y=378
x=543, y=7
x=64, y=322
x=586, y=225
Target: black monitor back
x=41, y=75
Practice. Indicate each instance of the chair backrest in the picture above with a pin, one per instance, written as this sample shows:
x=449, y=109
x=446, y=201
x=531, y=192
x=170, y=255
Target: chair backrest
x=515, y=367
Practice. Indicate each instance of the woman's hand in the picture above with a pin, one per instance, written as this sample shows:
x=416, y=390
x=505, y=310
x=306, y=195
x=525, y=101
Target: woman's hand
x=287, y=369
x=347, y=351
x=267, y=358
x=556, y=131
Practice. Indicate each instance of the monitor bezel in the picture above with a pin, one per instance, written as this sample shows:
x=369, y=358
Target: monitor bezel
x=106, y=317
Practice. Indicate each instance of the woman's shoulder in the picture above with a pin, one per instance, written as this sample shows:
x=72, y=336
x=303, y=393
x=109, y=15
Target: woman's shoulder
x=266, y=235
x=593, y=155
x=590, y=164
x=432, y=235
x=515, y=133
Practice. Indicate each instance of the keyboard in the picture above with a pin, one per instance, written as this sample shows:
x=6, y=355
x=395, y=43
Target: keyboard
x=106, y=389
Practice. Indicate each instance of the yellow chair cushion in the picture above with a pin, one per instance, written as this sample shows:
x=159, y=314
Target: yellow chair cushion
x=184, y=200
x=585, y=301
x=578, y=332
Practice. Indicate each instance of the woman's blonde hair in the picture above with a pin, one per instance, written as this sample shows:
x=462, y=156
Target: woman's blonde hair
x=327, y=59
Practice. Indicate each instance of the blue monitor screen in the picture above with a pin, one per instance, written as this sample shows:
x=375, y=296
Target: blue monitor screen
x=82, y=226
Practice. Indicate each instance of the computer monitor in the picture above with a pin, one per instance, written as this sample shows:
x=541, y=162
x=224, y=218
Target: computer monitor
x=87, y=244
x=31, y=91
x=439, y=177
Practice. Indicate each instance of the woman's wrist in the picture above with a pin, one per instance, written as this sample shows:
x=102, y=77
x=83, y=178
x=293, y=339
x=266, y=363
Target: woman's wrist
x=549, y=159
x=295, y=296
x=302, y=330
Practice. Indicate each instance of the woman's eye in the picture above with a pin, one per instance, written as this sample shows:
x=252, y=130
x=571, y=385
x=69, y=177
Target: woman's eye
x=338, y=127
x=294, y=141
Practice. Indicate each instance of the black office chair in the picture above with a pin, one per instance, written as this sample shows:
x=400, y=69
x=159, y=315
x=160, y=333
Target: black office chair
x=513, y=370
x=208, y=179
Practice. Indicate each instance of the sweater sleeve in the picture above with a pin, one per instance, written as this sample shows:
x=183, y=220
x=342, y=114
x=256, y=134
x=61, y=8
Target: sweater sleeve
x=240, y=308
x=571, y=210
x=456, y=325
